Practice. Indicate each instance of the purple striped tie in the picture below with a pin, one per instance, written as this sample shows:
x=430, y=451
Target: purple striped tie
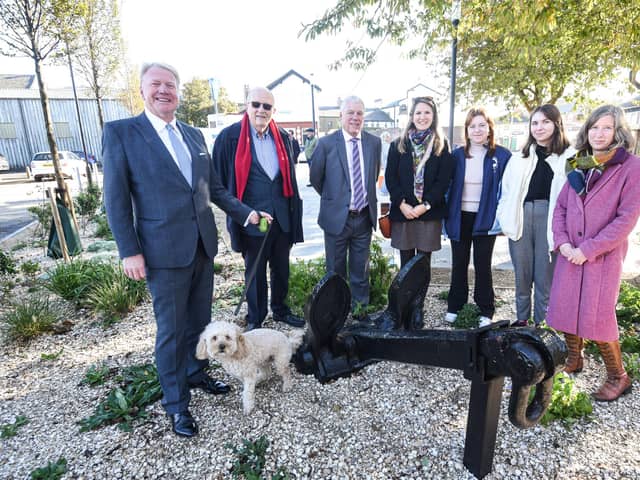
x=358, y=190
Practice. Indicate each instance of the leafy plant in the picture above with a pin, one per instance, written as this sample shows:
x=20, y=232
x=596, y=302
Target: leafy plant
x=7, y=264
x=303, y=277
x=102, y=227
x=381, y=273
x=74, y=281
x=11, y=429
x=117, y=297
x=628, y=308
x=632, y=364
x=140, y=387
x=567, y=403
x=42, y=213
x=250, y=461
x=30, y=318
x=96, y=375
x=443, y=295
x=53, y=470
x=29, y=269
x=51, y=356
x=468, y=317
x=87, y=202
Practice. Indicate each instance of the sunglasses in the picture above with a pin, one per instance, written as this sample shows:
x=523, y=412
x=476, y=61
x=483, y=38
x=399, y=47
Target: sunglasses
x=266, y=106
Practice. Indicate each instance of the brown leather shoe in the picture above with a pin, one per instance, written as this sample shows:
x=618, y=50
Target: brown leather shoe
x=575, y=360
x=618, y=382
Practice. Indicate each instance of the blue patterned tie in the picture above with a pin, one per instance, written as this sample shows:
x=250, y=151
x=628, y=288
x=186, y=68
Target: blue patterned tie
x=358, y=190
x=184, y=158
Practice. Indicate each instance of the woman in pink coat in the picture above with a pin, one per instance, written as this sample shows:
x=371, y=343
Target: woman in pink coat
x=596, y=211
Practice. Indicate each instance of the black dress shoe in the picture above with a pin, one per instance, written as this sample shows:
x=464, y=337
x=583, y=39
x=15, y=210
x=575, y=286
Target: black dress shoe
x=212, y=386
x=289, y=319
x=183, y=424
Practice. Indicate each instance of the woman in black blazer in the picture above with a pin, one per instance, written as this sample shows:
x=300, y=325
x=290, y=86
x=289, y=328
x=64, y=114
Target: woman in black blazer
x=418, y=173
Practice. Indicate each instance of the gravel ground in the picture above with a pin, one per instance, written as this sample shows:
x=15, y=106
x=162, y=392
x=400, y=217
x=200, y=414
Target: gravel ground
x=389, y=421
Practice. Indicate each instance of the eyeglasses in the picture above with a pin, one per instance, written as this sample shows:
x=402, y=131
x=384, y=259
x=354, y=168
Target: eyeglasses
x=266, y=106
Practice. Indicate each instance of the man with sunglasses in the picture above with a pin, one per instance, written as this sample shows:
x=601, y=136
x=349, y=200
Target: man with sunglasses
x=344, y=171
x=254, y=159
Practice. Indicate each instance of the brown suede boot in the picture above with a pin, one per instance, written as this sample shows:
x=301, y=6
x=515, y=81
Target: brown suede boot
x=575, y=360
x=618, y=382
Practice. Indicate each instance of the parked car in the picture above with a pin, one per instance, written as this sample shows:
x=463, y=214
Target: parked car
x=93, y=161
x=42, y=165
x=4, y=163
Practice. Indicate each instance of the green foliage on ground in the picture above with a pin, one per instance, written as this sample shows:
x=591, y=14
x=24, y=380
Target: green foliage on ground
x=632, y=364
x=628, y=308
x=87, y=202
x=11, y=429
x=96, y=375
x=29, y=318
x=305, y=275
x=42, y=213
x=51, y=356
x=567, y=403
x=126, y=402
x=7, y=264
x=468, y=317
x=250, y=460
x=53, y=470
x=102, y=227
x=443, y=295
x=74, y=280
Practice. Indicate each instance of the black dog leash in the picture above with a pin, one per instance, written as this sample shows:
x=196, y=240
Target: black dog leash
x=252, y=274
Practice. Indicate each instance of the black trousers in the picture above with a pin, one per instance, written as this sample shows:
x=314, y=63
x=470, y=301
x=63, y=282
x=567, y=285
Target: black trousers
x=276, y=253
x=483, y=294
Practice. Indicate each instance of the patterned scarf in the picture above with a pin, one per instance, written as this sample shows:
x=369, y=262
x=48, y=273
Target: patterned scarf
x=421, y=145
x=584, y=170
x=243, y=158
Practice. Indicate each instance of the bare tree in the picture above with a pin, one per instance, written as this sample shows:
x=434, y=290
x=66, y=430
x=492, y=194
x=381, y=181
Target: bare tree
x=99, y=47
x=36, y=29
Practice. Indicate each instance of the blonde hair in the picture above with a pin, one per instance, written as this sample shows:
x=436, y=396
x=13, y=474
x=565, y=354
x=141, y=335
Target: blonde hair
x=622, y=136
x=165, y=66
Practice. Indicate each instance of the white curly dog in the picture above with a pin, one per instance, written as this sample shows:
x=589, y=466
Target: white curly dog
x=248, y=356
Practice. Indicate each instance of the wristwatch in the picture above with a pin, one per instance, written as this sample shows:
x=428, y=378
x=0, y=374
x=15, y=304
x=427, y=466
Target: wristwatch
x=427, y=205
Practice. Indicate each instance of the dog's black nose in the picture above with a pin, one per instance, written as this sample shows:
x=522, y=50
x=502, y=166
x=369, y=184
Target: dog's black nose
x=221, y=347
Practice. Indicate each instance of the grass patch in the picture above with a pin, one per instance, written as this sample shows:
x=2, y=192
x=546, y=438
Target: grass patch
x=73, y=281
x=53, y=470
x=468, y=317
x=30, y=318
x=117, y=297
x=9, y=430
x=250, y=460
x=102, y=227
x=51, y=356
x=443, y=295
x=7, y=264
x=567, y=403
x=632, y=364
x=127, y=402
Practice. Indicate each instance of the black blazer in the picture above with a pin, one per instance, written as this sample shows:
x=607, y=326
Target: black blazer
x=399, y=180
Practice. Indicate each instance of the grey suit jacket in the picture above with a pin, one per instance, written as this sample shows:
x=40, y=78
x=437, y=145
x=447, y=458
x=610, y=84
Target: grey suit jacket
x=150, y=206
x=330, y=177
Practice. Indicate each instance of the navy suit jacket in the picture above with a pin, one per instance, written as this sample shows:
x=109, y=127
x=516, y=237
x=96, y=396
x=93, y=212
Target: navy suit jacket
x=329, y=175
x=150, y=206
x=261, y=193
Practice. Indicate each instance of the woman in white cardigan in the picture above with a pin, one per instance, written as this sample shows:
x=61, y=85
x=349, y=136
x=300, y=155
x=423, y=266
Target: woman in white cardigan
x=530, y=187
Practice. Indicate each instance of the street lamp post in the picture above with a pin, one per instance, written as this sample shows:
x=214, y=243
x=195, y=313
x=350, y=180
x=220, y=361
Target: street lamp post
x=455, y=21
x=313, y=106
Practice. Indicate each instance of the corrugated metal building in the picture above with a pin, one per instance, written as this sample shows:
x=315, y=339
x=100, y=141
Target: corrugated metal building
x=22, y=130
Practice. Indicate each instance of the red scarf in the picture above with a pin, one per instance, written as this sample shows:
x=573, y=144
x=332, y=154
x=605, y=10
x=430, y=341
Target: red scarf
x=243, y=158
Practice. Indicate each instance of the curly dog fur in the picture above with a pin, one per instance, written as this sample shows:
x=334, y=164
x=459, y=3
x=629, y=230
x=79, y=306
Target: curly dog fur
x=248, y=356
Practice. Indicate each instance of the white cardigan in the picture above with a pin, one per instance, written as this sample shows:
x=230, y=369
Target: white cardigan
x=515, y=185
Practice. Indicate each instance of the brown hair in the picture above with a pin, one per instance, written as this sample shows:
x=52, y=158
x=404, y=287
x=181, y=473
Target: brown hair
x=559, y=141
x=622, y=136
x=438, y=143
x=491, y=140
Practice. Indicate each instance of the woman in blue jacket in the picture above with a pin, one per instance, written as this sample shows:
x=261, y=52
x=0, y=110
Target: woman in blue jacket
x=472, y=202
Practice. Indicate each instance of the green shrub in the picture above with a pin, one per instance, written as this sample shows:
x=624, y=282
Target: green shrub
x=250, y=460
x=11, y=429
x=102, y=227
x=29, y=318
x=628, y=308
x=42, y=213
x=140, y=387
x=381, y=274
x=443, y=295
x=7, y=264
x=96, y=375
x=117, y=297
x=74, y=281
x=632, y=364
x=53, y=470
x=303, y=277
x=87, y=202
x=567, y=403
x=468, y=317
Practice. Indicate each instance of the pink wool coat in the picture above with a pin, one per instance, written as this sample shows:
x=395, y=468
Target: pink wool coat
x=583, y=297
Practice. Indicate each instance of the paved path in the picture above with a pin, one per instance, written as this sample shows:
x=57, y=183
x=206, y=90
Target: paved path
x=313, y=245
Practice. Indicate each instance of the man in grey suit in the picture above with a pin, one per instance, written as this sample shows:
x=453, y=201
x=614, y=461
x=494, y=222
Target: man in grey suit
x=158, y=188
x=344, y=170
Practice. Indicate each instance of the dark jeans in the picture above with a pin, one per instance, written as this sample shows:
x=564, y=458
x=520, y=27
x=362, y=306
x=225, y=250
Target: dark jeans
x=483, y=294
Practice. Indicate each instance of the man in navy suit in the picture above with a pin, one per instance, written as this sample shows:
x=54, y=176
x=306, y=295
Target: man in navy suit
x=344, y=171
x=254, y=160
x=158, y=188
